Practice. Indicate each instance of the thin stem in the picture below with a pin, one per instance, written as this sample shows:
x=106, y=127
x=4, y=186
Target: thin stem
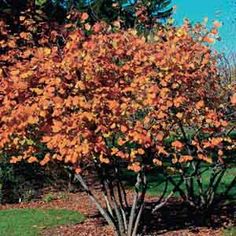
x=122, y=208
x=138, y=204
x=109, y=208
x=164, y=191
x=116, y=208
x=103, y=212
x=134, y=205
x=215, y=186
x=161, y=203
x=138, y=220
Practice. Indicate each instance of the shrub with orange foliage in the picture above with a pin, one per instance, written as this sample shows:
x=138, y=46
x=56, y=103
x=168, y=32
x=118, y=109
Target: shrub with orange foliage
x=112, y=99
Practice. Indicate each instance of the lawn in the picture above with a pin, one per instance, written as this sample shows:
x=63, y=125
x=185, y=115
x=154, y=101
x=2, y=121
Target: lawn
x=156, y=181
x=156, y=186
x=230, y=231
x=29, y=222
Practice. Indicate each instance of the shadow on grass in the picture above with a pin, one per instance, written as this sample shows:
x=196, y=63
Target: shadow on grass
x=176, y=216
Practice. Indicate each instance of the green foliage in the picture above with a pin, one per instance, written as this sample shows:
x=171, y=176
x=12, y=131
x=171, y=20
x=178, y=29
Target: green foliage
x=139, y=14
x=23, y=181
x=142, y=13
x=29, y=222
x=19, y=182
x=48, y=198
x=53, y=196
x=40, y=3
x=230, y=231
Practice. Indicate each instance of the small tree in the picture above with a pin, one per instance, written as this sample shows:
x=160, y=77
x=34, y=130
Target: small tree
x=109, y=101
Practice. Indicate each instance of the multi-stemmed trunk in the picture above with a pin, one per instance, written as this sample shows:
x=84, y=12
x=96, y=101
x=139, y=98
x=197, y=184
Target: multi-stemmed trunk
x=122, y=216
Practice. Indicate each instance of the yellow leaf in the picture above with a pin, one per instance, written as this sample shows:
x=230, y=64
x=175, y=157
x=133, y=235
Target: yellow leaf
x=33, y=120
x=113, y=126
x=37, y=91
x=179, y=115
x=140, y=151
x=103, y=159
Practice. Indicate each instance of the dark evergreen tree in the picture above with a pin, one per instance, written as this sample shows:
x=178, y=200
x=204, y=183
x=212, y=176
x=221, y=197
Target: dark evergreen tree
x=130, y=12
x=142, y=13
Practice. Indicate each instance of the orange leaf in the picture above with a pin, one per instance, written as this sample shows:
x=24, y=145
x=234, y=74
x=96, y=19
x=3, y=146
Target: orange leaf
x=216, y=141
x=113, y=104
x=161, y=150
x=103, y=159
x=45, y=160
x=214, y=31
x=14, y=160
x=178, y=101
x=113, y=126
x=185, y=158
x=160, y=137
x=208, y=40
x=179, y=115
x=233, y=99
x=205, y=158
x=32, y=120
x=123, y=128
x=57, y=126
x=84, y=16
x=177, y=144
x=97, y=27
x=32, y=159
x=120, y=142
x=78, y=170
x=135, y=167
x=114, y=151
x=200, y=104
x=217, y=24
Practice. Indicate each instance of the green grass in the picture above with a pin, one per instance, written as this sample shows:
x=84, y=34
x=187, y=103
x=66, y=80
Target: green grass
x=155, y=188
x=29, y=222
x=156, y=182
x=230, y=231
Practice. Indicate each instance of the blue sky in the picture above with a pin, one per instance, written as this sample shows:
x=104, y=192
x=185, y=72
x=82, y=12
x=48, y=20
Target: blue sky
x=221, y=10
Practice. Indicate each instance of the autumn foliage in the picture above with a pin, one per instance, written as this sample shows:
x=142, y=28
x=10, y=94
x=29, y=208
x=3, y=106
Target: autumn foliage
x=115, y=99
